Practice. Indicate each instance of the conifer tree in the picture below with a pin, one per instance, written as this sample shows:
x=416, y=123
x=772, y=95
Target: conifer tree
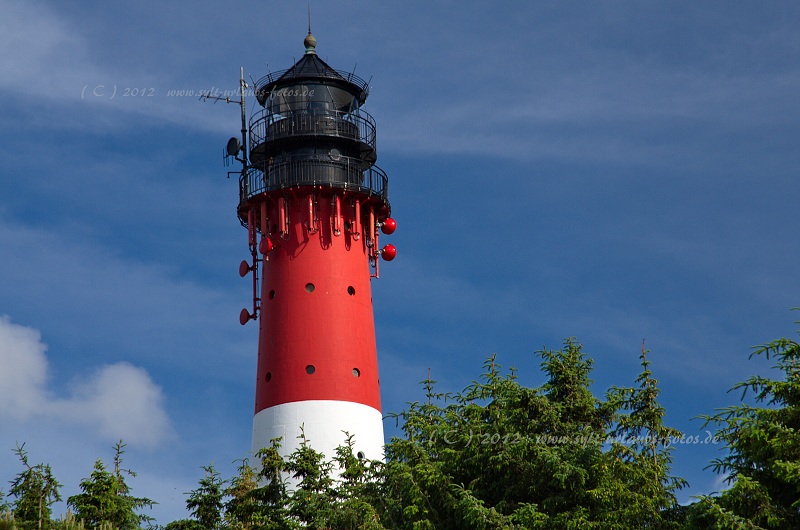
x=241, y=505
x=311, y=503
x=763, y=444
x=500, y=455
x=35, y=489
x=640, y=456
x=259, y=498
x=356, y=490
x=205, y=503
x=106, y=497
x=5, y=507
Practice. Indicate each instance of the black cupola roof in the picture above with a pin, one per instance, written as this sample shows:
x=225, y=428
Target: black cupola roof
x=311, y=69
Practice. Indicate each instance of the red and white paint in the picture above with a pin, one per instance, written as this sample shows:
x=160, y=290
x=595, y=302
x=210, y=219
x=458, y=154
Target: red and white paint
x=317, y=360
x=314, y=204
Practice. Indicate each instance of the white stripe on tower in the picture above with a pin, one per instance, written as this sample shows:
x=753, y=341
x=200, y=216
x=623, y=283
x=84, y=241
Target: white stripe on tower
x=324, y=424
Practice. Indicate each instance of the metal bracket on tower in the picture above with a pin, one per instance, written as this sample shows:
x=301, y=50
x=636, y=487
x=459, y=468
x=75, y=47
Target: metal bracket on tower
x=312, y=226
x=337, y=215
x=283, y=218
x=355, y=221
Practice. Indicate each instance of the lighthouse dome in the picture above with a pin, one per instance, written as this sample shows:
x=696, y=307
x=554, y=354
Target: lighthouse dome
x=311, y=84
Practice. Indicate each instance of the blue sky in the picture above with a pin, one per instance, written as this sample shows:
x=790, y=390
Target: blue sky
x=613, y=171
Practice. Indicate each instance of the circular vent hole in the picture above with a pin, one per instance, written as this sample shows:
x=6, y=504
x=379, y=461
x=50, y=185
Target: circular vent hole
x=351, y=290
x=310, y=369
x=310, y=287
x=356, y=372
x=268, y=377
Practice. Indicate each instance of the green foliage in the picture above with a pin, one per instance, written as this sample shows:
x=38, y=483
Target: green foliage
x=5, y=512
x=356, y=491
x=640, y=456
x=70, y=522
x=497, y=455
x=6, y=519
x=258, y=498
x=312, y=501
x=106, y=498
x=763, y=460
x=205, y=503
x=500, y=455
x=184, y=524
x=35, y=489
x=330, y=494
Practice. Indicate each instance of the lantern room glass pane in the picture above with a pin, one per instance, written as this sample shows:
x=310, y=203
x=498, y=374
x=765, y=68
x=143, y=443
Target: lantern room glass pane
x=310, y=96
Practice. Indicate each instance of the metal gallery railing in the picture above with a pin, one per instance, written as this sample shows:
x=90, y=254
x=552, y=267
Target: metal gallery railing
x=266, y=126
x=343, y=172
x=293, y=74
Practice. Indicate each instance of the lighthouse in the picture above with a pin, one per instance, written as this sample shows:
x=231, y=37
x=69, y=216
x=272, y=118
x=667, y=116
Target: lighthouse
x=314, y=204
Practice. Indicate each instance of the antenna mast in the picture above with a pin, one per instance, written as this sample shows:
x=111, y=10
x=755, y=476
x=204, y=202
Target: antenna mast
x=243, y=108
x=242, y=87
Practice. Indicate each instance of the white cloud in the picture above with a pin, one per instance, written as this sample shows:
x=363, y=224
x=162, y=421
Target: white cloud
x=24, y=370
x=119, y=401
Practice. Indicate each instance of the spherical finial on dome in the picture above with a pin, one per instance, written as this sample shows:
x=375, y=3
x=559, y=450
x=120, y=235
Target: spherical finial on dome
x=310, y=43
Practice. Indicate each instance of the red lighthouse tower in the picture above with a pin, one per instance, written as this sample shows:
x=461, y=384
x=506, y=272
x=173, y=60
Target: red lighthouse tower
x=314, y=203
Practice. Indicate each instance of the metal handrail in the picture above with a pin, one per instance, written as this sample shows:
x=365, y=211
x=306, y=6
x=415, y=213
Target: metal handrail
x=347, y=76
x=345, y=173
x=266, y=126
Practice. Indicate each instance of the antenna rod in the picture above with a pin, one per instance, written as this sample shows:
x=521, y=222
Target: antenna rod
x=243, y=86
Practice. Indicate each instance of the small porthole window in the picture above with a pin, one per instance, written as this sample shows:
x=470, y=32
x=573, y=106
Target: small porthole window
x=310, y=369
x=360, y=455
x=356, y=372
x=309, y=287
x=351, y=290
x=268, y=377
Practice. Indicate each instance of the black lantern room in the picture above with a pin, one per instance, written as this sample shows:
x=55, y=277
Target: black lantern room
x=313, y=132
